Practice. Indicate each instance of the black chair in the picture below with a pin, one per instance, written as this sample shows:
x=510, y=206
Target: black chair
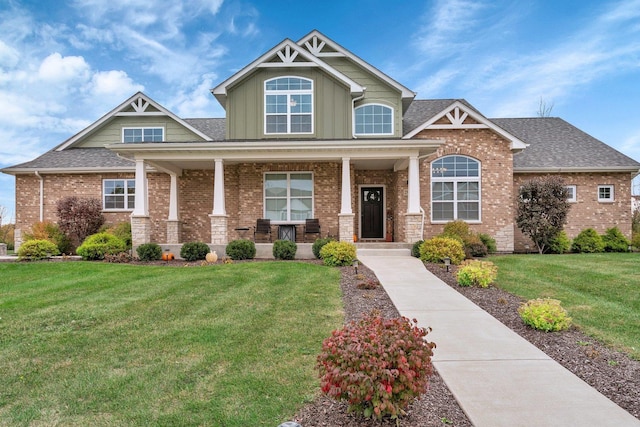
x=262, y=230
x=311, y=226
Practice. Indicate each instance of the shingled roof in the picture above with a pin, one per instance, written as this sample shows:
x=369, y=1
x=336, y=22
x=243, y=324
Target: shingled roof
x=555, y=145
x=75, y=159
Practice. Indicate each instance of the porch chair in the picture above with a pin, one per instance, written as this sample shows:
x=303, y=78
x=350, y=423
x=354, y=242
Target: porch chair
x=262, y=230
x=311, y=226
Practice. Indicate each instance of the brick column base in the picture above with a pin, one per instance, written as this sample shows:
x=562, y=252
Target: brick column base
x=346, y=230
x=140, y=230
x=219, y=230
x=174, y=232
x=412, y=227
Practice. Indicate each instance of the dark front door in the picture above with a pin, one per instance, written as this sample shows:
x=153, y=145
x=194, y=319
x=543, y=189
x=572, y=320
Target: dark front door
x=372, y=213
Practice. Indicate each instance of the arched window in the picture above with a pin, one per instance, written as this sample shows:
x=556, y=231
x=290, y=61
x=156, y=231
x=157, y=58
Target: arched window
x=374, y=119
x=288, y=105
x=455, y=189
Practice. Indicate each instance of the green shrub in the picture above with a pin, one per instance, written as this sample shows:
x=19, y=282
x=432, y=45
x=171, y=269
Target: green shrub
x=149, y=252
x=122, y=230
x=37, y=249
x=560, y=244
x=415, y=249
x=635, y=241
x=241, y=249
x=338, y=254
x=545, y=314
x=47, y=230
x=319, y=243
x=475, y=248
x=615, y=241
x=588, y=241
x=284, y=249
x=477, y=273
x=458, y=228
x=98, y=245
x=193, y=251
x=437, y=248
x=379, y=366
x=489, y=242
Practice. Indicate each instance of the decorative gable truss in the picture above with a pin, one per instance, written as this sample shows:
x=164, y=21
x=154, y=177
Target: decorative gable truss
x=460, y=116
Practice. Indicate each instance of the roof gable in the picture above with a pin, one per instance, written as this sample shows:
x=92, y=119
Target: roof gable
x=286, y=54
x=460, y=115
x=138, y=105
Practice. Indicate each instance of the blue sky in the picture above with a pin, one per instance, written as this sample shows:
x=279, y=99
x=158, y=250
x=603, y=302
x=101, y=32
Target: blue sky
x=65, y=63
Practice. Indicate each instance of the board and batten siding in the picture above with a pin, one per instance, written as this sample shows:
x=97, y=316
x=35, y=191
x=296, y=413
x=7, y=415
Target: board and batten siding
x=331, y=106
x=112, y=132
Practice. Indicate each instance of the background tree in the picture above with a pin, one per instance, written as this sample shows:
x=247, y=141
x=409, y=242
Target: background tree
x=79, y=218
x=542, y=209
x=544, y=109
x=6, y=228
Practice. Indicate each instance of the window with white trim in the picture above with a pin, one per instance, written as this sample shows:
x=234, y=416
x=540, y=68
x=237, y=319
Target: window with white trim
x=572, y=196
x=142, y=134
x=288, y=196
x=605, y=193
x=455, y=189
x=288, y=105
x=118, y=194
x=374, y=119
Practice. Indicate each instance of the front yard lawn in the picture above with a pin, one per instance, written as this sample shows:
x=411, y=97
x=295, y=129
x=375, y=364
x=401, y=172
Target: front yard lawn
x=109, y=344
x=600, y=291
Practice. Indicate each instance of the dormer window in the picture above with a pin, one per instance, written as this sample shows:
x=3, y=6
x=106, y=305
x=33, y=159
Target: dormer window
x=142, y=134
x=288, y=105
x=374, y=119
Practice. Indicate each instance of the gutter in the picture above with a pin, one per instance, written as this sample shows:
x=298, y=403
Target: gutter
x=41, y=195
x=353, y=110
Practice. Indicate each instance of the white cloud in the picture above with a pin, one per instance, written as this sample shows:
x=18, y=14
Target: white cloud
x=56, y=68
x=115, y=85
x=197, y=102
x=9, y=56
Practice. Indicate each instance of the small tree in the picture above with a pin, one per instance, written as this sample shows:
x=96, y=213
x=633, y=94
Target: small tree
x=542, y=209
x=79, y=218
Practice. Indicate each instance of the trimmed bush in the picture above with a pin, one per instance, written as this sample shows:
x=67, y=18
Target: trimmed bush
x=98, y=245
x=79, y=218
x=437, y=248
x=122, y=230
x=193, y=251
x=37, y=249
x=149, y=252
x=477, y=273
x=379, y=366
x=459, y=229
x=284, y=249
x=545, y=314
x=338, y=254
x=318, y=244
x=560, y=244
x=588, y=241
x=241, y=249
x=635, y=241
x=475, y=248
x=47, y=230
x=415, y=249
x=489, y=242
x=615, y=241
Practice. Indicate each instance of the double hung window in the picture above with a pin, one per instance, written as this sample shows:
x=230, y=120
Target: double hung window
x=288, y=105
x=455, y=189
x=118, y=194
x=288, y=196
x=142, y=134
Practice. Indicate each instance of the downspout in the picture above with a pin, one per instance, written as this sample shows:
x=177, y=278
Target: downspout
x=41, y=195
x=353, y=110
x=422, y=224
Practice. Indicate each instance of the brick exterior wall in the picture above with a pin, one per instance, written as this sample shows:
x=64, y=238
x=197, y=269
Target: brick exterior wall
x=587, y=211
x=496, y=158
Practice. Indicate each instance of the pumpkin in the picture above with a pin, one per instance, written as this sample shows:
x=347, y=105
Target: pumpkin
x=167, y=256
x=212, y=257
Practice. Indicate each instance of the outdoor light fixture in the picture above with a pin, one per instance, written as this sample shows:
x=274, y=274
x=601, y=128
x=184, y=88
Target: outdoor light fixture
x=355, y=265
x=447, y=262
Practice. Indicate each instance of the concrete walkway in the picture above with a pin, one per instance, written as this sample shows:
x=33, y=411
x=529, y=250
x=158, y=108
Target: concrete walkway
x=497, y=377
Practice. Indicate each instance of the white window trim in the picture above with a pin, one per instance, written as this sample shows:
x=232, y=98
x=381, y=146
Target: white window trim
x=288, y=173
x=374, y=134
x=574, y=189
x=455, y=180
x=164, y=134
x=610, y=199
x=125, y=195
x=288, y=114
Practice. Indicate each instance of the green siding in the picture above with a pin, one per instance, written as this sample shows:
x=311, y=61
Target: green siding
x=332, y=106
x=111, y=133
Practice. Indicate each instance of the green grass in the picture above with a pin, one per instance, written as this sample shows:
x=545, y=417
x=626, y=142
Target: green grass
x=109, y=344
x=601, y=292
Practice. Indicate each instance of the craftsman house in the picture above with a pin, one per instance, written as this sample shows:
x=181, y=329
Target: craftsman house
x=313, y=131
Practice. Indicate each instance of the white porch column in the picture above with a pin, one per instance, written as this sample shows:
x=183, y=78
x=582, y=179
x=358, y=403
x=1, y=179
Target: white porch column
x=413, y=204
x=173, y=198
x=218, y=189
x=345, y=207
x=141, y=199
